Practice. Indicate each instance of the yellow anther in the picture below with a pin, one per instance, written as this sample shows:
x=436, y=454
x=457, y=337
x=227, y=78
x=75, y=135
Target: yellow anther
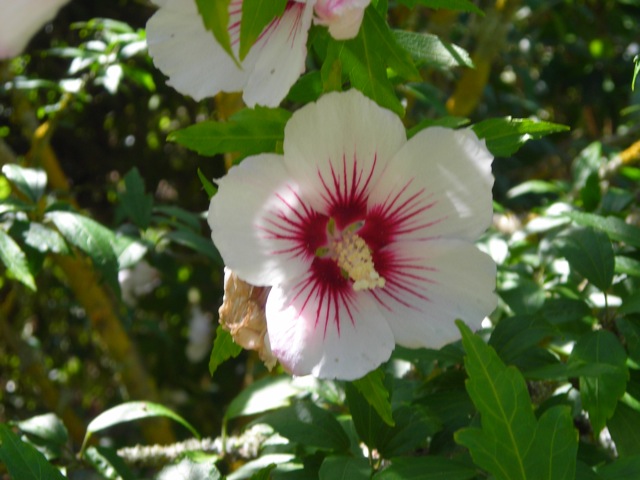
x=354, y=257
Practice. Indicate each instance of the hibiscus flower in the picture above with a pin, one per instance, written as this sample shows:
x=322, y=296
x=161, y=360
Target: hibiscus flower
x=198, y=66
x=365, y=238
x=20, y=20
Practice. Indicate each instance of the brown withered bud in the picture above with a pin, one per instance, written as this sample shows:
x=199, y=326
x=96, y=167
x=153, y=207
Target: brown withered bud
x=242, y=314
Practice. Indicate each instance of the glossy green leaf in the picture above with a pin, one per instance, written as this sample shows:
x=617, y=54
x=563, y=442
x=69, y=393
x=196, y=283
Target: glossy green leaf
x=189, y=469
x=600, y=394
x=215, y=18
x=344, y=468
x=130, y=411
x=366, y=57
x=93, y=239
x=108, y=464
x=254, y=467
x=45, y=239
x=307, y=424
x=414, y=424
x=248, y=132
x=426, y=48
x=15, y=260
x=514, y=336
x=636, y=70
x=624, y=427
x=627, y=265
x=224, y=348
x=135, y=203
x=29, y=181
x=426, y=468
x=505, y=136
x=372, y=387
x=264, y=473
x=256, y=15
x=22, y=460
x=366, y=420
x=266, y=394
x=511, y=444
x=614, y=227
x=48, y=427
x=589, y=252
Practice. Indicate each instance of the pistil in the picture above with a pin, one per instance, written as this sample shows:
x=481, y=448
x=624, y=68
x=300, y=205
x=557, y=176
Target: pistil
x=354, y=258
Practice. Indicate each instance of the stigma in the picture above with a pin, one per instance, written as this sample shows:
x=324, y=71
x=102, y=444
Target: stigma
x=353, y=256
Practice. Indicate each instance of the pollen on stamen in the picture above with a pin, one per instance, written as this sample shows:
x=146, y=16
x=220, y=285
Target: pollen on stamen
x=354, y=257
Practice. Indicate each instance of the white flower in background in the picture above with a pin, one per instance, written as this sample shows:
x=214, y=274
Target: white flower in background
x=138, y=281
x=200, y=335
x=365, y=238
x=198, y=66
x=21, y=19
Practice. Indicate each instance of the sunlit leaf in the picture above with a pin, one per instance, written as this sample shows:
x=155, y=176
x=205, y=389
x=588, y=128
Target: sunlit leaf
x=93, y=239
x=372, y=387
x=460, y=5
x=208, y=186
x=22, y=460
x=505, y=136
x=108, y=464
x=614, y=227
x=248, y=132
x=215, y=17
x=15, y=260
x=47, y=427
x=31, y=182
x=600, y=394
x=189, y=469
x=130, y=411
x=589, y=252
x=307, y=424
x=266, y=394
x=45, y=239
x=431, y=50
x=224, y=348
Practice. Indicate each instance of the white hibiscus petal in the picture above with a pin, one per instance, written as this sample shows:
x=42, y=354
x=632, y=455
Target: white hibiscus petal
x=189, y=54
x=21, y=20
x=277, y=59
x=445, y=176
x=342, y=17
x=342, y=143
x=329, y=336
x=251, y=219
x=431, y=285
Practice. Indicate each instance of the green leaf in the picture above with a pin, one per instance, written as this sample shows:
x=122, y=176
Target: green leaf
x=135, y=203
x=510, y=444
x=224, y=348
x=367, y=422
x=630, y=330
x=600, y=394
x=627, y=468
x=365, y=58
x=47, y=427
x=22, y=460
x=636, y=70
x=624, y=427
x=93, y=239
x=256, y=15
x=505, y=136
x=614, y=227
x=108, y=464
x=372, y=387
x=248, y=132
x=429, y=49
x=266, y=394
x=130, y=411
x=627, y=265
x=264, y=473
x=215, y=18
x=426, y=468
x=45, y=239
x=307, y=424
x=344, y=468
x=208, y=186
x=189, y=469
x=500, y=395
x=555, y=446
x=514, y=336
x=31, y=182
x=589, y=252
x=460, y=5
x=414, y=425
x=15, y=260
x=196, y=242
